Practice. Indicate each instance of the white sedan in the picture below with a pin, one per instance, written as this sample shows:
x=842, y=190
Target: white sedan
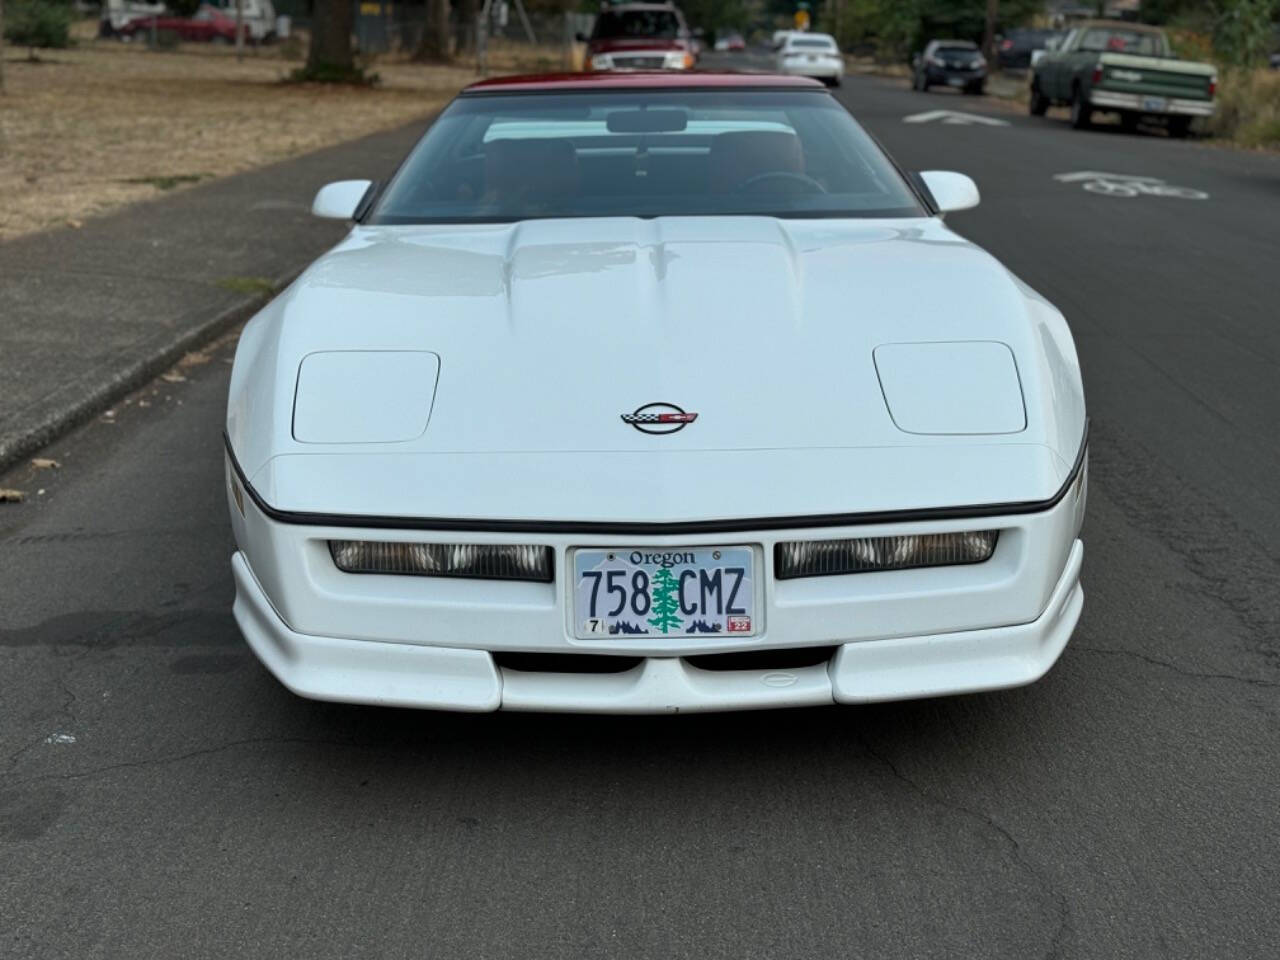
x=811, y=55
x=641, y=393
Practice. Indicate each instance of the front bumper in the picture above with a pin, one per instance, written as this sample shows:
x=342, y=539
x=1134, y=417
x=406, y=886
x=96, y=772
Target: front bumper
x=1137, y=103
x=955, y=77
x=641, y=61
x=452, y=678
x=445, y=643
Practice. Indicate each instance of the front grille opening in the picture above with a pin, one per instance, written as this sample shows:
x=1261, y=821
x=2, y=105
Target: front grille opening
x=786, y=659
x=565, y=662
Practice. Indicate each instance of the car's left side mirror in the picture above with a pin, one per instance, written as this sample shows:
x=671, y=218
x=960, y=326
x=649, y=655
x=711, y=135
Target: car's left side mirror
x=340, y=200
x=951, y=191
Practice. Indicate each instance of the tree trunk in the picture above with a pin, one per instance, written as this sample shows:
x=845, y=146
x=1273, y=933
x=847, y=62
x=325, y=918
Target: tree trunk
x=466, y=27
x=989, y=31
x=434, y=47
x=1, y=46
x=329, y=56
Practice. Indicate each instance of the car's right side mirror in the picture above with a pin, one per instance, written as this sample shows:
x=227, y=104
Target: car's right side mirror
x=951, y=192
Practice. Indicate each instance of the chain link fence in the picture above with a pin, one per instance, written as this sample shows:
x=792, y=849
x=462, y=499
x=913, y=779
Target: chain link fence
x=500, y=35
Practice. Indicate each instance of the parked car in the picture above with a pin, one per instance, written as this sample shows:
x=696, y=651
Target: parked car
x=207, y=25
x=1275, y=61
x=755, y=429
x=117, y=14
x=1124, y=68
x=640, y=36
x=811, y=55
x=1016, y=48
x=1053, y=43
x=950, y=63
x=730, y=43
x=260, y=15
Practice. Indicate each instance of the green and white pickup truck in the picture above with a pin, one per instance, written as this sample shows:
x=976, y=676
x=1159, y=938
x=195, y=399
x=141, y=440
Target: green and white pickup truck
x=1123, y=68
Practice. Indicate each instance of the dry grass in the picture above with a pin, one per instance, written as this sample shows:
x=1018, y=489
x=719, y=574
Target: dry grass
x=106, y=124
x=1249, y=108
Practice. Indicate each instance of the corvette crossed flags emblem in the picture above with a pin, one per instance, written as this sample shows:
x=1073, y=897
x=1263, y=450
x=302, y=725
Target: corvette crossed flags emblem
x=659, y=418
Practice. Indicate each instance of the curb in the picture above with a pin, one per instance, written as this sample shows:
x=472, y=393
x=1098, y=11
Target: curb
x=156, y=356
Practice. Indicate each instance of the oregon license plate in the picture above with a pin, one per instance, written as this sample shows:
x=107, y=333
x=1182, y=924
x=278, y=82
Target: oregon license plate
x=955, y=81
x=1155, y=104
x=664, y=592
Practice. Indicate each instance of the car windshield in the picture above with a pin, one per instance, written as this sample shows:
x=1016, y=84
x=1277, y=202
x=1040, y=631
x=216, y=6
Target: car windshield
x=957, y=48
x=636, y=23
x=812, y=43
x=498, y=158
x=1123, y=41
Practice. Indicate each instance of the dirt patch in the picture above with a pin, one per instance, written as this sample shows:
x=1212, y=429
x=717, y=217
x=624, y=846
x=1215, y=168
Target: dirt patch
x=105, y=124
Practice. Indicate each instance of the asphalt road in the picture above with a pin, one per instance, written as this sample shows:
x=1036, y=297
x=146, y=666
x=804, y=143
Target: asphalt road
x=161, y=795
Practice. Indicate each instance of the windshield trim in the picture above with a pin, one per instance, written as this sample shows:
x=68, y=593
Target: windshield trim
x=892, y=213
x=613, y=91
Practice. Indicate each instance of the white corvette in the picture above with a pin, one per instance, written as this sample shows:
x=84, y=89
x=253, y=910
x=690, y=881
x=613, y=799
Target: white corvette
x=642, y=393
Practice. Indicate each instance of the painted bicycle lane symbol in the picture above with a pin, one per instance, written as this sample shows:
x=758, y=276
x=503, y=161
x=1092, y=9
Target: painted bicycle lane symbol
x=1127, y=185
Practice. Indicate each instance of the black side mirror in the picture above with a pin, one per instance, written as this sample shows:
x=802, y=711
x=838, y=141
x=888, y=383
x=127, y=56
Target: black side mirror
x=580, y=37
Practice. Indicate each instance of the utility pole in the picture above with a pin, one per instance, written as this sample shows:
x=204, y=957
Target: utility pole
x=239, y=30
x=989, y=32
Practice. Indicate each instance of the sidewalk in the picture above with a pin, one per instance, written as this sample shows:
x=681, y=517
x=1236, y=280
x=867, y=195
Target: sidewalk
x=87, y=315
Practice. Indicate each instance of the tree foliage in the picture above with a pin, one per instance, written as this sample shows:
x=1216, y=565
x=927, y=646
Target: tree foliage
x=895, y=28
x=1241, y=30
x=38, y=23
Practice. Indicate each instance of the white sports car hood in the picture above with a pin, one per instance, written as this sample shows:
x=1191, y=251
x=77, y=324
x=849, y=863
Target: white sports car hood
x=801, y=346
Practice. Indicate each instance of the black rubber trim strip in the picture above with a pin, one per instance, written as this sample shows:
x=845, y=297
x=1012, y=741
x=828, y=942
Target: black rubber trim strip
x=660, y=529
x=764, y=86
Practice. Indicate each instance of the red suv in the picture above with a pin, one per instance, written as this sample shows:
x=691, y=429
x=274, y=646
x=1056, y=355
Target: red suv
x=640, y=36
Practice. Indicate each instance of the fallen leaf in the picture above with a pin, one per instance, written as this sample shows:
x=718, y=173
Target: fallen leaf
x=144, y=403
x=74, y=224
x=11, y=496
x=173, y=377
x=193, y=358
x=44, y=463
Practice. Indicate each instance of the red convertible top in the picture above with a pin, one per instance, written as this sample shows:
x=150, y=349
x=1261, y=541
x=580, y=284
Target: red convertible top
x=640, y=80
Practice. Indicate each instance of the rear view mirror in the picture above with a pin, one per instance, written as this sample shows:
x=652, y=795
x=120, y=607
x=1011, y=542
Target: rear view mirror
x=647, y=121
x=340, y=200
x=951, y=191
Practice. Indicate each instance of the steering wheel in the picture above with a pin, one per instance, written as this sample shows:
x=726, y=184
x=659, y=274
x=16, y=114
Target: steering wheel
x=782, y=175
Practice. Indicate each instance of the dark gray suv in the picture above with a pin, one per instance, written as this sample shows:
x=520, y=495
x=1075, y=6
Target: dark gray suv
x=949, y=63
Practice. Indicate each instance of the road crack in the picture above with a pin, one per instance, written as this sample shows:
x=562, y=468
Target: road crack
x=177, y=758
x=1181, y=671
x=1042, y=883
